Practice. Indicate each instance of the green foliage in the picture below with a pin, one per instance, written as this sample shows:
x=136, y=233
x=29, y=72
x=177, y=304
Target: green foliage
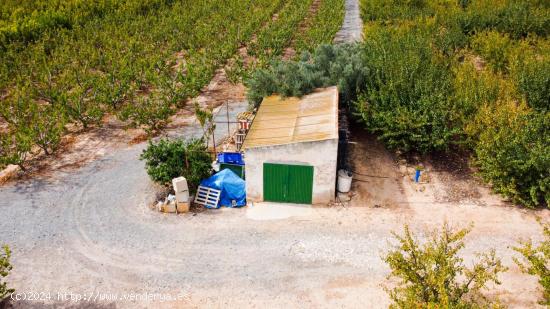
x=28, y=125
x=473, y=89
x=79, y=103
x=47, y=124
x=393, y=10
x=272, y=39
x=532, y=77
x=406, y=97
x=323, y=26
x=513, y=153
x=433, y=275
x=149, y=113
x=15, y=147
x=206, y=120
x=235, y=70
x=5, y=268
x=341, y=65
x=139, y=60
x=167, y=160
x=537, y=259
x=516, y=18
x=494, y=48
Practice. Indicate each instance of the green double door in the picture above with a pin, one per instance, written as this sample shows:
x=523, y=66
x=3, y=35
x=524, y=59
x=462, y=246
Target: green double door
x=288, y=183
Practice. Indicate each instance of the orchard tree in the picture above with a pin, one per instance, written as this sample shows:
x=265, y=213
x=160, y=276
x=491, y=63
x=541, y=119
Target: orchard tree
x=80, y=101
x=47, y=125
x=15, y=147
x=5, y=268
x=537, y=261
x=205, y=116
x=432, y=275
x=150, y=113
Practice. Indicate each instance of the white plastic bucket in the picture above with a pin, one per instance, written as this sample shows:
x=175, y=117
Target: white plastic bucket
x=216, y=166
x=344, y=181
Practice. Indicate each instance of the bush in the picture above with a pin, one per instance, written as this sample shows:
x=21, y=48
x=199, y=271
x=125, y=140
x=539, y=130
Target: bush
x=472, y=90
x=537, y=258
x=167, y=160
x=532, y=78
x=432, y=275
x=406, y=98
x=329, y=65
x=494, y=48
x=5, y=268
x=513, y=152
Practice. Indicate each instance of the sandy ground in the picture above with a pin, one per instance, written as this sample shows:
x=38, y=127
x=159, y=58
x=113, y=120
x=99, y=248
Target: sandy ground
x=89, y=235
x=84, y=237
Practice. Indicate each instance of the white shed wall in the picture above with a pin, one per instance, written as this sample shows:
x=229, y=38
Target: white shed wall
x=322, y=155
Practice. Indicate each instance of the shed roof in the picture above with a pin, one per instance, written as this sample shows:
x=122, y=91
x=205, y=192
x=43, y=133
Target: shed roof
x=280, y=121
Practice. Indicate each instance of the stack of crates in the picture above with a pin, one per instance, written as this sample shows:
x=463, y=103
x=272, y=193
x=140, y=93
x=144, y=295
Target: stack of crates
x=245, y=121
x=233, y=161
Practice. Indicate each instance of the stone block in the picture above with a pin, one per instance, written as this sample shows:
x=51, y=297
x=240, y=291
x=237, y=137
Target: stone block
x=183, y=207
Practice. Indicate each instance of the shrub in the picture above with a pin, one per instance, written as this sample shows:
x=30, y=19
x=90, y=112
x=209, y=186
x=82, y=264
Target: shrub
x=537, y=262
x=473, y=89
x=494, y=48
x=406, y=98
x=5, y=268
x=329, y=65
x=513, y=152
x=167, y=160
x=432, y=275
x=532, y=78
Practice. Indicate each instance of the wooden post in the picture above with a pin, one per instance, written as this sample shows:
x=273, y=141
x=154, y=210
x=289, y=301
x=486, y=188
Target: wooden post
x=214, y=141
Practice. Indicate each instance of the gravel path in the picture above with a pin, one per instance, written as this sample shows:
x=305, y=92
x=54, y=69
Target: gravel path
x=352, y=29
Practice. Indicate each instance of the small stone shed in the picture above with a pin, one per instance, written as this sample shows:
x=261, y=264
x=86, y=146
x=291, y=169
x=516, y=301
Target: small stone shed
x=291, y=149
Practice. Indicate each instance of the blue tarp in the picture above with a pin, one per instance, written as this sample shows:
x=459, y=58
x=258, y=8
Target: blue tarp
x=232, y=188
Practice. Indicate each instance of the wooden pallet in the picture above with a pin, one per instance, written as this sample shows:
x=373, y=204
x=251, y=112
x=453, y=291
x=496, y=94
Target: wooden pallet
x=207, y=197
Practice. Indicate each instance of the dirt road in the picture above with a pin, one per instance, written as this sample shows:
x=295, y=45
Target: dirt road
x=353, y=25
